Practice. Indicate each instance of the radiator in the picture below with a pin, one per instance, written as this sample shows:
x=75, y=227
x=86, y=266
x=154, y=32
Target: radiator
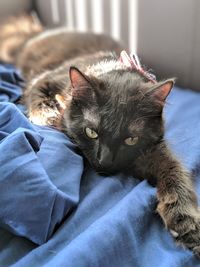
x=114, y=17
x=165, y=34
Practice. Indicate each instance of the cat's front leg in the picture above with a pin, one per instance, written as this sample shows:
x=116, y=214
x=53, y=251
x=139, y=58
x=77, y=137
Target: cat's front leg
x=177, y=202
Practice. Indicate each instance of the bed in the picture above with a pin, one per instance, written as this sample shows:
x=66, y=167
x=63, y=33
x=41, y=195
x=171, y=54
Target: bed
x=55, y=212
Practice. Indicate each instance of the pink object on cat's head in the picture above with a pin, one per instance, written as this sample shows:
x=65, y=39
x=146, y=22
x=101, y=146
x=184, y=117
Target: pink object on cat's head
x=133, y=62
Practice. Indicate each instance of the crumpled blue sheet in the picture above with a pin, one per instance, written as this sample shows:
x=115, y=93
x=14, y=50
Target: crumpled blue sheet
x=53, y=212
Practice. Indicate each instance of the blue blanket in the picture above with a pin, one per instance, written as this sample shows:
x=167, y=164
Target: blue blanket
x=54, y=212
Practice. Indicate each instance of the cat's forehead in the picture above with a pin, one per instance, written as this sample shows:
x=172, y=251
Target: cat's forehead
x=92, y=116
x=137, y=125
x=123, y=86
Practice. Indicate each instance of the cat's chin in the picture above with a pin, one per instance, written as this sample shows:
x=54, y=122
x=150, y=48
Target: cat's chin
x=100, y=170
x=112, y=170
x=106, y=172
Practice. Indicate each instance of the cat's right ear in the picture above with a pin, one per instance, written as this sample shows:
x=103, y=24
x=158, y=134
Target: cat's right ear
x=81, y=89
x=79, y=83
x=78, y=79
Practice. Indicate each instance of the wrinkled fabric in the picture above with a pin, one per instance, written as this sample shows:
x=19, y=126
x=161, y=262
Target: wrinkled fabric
x=55, y=212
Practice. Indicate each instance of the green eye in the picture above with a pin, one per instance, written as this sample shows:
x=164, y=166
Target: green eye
x=91, y=133
x=131, y=141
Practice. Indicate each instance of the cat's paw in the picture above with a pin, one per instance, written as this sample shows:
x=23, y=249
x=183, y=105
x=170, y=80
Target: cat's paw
x=185, y=228
x=186, y=231
x=183, y=222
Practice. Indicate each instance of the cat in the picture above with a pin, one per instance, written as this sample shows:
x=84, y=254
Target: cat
x=114, y=115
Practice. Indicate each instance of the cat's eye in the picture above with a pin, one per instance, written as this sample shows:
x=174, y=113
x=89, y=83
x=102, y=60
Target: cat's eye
x=131, y=141
x=91, y=133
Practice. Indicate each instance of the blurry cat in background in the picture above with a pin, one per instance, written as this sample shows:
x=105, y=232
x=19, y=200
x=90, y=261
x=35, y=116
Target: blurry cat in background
x=111, y=111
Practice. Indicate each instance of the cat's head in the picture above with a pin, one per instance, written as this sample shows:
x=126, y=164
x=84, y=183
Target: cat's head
x=115, y=116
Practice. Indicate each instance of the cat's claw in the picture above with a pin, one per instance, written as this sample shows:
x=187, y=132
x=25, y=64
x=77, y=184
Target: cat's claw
x=174, y=233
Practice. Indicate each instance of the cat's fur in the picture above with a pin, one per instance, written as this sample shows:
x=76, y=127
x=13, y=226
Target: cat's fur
x=117, y=102
x=14, y=32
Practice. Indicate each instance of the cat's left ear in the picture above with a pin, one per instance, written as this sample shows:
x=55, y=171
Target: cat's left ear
x=162, y=90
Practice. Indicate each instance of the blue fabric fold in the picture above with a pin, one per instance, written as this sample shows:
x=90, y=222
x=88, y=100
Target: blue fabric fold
x=33, y=205
x=10, y=84
x=77, y=217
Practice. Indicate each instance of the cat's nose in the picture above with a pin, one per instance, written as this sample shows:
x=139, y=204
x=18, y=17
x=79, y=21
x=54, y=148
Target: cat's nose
x=106, y=157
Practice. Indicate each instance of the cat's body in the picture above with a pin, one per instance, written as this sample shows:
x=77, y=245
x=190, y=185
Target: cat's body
x=114, y=115
x=25, y=43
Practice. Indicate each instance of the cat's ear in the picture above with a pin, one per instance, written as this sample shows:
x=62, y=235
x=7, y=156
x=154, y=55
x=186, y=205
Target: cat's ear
x=162, y=90
x=80, y=84
x=82, y=89
x=79, y=81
